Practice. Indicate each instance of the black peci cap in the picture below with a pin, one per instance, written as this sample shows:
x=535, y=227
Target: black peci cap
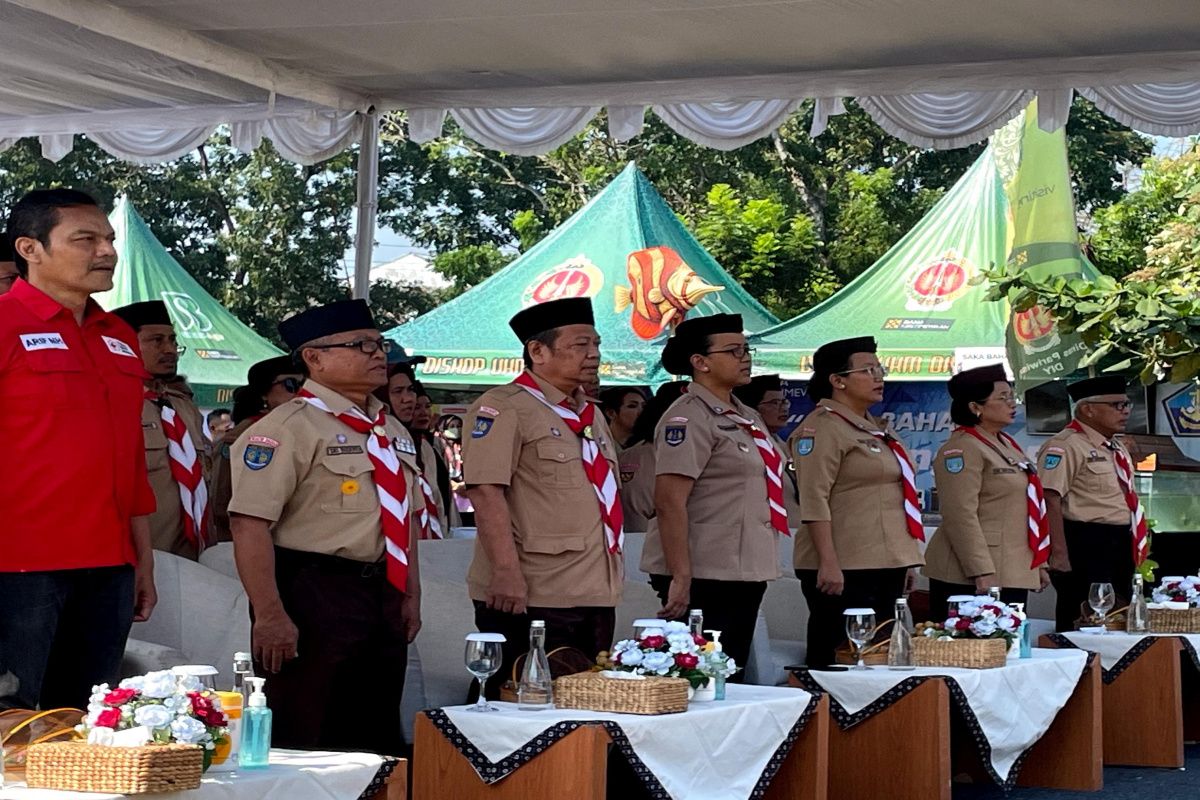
x=1095, y=387
x=832, y=357
x=150, y=312
x=529, y=322
x=959, y=385
x=263, y=374
x=691, y=338
x=344, y=315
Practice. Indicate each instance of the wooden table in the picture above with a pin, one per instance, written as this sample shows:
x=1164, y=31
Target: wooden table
x=1150, y=707
x=576, y=767
x=908, y=751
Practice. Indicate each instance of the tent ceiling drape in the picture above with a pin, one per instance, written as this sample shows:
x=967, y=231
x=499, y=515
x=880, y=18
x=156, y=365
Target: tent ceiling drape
x=148, y=79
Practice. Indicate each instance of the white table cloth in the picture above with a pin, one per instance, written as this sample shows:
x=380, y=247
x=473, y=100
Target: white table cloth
x=1115, y=645
x=292, y=775
x=715, y=750
x=1014, y=705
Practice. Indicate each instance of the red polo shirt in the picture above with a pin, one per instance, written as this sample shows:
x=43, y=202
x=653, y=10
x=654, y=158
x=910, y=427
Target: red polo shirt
x=72, y=459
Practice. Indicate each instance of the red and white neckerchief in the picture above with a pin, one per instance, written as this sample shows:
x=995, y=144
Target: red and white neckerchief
x=908, y=480
x=187, y=471
x=773, y=463
x=1137, y=515
x=1035, y=497
x=389, y=484
x=595, y=466
x=431, y=526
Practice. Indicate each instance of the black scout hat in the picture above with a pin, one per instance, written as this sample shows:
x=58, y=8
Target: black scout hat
x=690, y=339
x=344, y=315
x=960, y=385
x=150, y=312
x=832, y=357
x=1095, y=387
x=529, y=322
x=263, y=374
x=753, y=392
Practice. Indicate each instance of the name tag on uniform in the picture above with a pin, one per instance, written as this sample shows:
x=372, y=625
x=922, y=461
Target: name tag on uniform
x=347, y=450
x=43, y=341
x=1095, y=457
x=727, y=427
x=118, y=347
x=405, y=446
x=1004, y=471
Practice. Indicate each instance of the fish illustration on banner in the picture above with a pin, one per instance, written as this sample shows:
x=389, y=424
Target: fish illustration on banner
x=662, y=290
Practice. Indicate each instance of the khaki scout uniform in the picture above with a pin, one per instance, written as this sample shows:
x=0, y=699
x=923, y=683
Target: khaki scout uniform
x=637, y=485
x=166, y=523
x=430, y=459
x=730, y=537
x=512, y=439
x=220, y=488
x=317, y=485
x=1080, y=468
x=985, y=517
x=851, y=479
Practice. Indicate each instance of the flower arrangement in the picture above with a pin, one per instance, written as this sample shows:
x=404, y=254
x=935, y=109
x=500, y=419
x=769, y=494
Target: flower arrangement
x=978, y=618
x=1178, y=590
x=672, y=651
x=168, y=707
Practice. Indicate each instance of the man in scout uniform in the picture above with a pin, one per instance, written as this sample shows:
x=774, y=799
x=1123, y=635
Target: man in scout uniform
x=325, y=516
x=178, y=473
x=541, y=471
x=1097, y=527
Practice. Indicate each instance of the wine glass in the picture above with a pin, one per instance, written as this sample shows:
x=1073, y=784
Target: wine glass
x=860, y=625
x=1101, y=598
x=483, y=656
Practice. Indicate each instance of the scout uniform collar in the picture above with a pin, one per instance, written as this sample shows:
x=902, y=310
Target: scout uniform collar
x=716, y=405
x=868, y=424
x=43, y=305
x=339, y=404
x=554, y=395
x=1089, y=432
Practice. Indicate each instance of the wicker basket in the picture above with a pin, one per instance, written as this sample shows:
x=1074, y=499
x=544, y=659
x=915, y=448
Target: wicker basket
x=80, y=767
x=1170, y=620
x=592, y=691
x=969, y=653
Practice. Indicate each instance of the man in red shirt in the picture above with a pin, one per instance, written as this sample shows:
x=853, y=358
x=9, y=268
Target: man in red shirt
x=75, y=562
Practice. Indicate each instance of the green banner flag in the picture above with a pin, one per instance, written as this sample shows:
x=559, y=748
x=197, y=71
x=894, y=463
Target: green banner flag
x=1033, y=166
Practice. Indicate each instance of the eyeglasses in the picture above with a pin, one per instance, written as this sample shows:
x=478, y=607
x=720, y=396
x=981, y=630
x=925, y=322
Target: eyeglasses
x=780, y=402
x=367, y=346
x=877, y=371
x=738, y=351
x=164, y=341
x=1116, y=405
x=1007, y=399
x=289, y=384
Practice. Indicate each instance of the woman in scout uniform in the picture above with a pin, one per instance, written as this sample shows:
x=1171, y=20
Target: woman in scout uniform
x=858, y=499
x=719, y=488
x=637, y=460
x=622, y=407
x=994, y=532
x=269, y=384
x=401, y=394
x=764, y=393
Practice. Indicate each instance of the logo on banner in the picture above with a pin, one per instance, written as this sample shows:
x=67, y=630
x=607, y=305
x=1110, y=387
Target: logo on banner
x=189, y=318
x=1183, y=411
x=1035, y=330
x=935, y=286
x=575, y=277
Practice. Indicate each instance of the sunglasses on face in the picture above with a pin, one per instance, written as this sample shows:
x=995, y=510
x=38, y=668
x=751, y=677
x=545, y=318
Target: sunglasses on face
x=289, y=384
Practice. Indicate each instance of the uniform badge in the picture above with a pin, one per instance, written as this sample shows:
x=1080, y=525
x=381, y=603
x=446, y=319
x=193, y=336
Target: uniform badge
x=745, y=448
x=482, y=426
x=225, y=452
x=404, y=446
x=1052, y=460
x=954, y=464
x=674, y=435
x=804, y=445
x=555, y=432
x=587, y=432
x=258, y=456
x=341, y=438
x=627, y=471
x=349, y=487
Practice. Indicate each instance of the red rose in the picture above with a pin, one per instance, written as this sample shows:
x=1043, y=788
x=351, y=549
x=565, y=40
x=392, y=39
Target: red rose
x=699, y=640
x=201, y=705
x=118, y=697
x=686, y=660
x=653, y=642
x=214, y=719
x=962, y=624
x=108, y=718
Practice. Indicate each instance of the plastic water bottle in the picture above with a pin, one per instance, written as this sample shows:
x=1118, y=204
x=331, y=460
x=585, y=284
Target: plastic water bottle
x=535, y=690
x=1137, y=618
x=696, y=622
x=900, y=647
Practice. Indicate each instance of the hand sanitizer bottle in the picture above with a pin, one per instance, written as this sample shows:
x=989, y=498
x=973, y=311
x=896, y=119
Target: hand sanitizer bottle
x=718, y=657
x=255, y=751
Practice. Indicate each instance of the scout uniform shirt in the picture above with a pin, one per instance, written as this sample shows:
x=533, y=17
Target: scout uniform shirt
x=637, y=486
x=730, y=537
x=851, y=479
x=1080, y=469
x=220, y=488
x=166, y=523
x=308, y=472
x=430, y=459
x=985, y=518
x=512, y=439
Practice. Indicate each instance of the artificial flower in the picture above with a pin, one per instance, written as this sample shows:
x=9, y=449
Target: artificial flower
x=187, y=730
x=653, y=642
x=658, y=663
x=117, y=697
x=153, y=716
x=108, y=718
x=159, y=684
x=686, y=660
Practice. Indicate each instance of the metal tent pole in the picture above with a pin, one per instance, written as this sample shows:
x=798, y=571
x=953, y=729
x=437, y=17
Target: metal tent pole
x=368, y=202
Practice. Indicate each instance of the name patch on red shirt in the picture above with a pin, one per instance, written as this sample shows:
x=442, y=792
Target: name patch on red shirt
x=43, y=341
x=118, y=347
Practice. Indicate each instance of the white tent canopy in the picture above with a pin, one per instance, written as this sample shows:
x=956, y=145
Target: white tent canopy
x=148, y=80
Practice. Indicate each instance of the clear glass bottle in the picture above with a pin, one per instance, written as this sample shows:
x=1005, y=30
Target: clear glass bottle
x=994, y=593
x=1137, y=618
x=243, y=668
x=255, y=749
x=535, y=690
x=900, y=647
x=696, y=622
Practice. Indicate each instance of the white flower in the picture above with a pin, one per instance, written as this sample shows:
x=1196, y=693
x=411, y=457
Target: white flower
x=983, y=628
x=159, y=684
x=1008, y=623
x=658, y=663
x=629, y=658
x=675, y=626
x=189, y=683
x=136, y=682
x=623, y=646
x=681, y=642
x=187, y=730
x=653, y=632
x=153, y=716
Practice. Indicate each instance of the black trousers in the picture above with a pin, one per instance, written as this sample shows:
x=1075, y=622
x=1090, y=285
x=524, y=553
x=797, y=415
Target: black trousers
x=940, y=592
x=343, y=690
x=1099, y=553
x=587, y=628
x=730, y=607
x=864, y=588
x=62, y=632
